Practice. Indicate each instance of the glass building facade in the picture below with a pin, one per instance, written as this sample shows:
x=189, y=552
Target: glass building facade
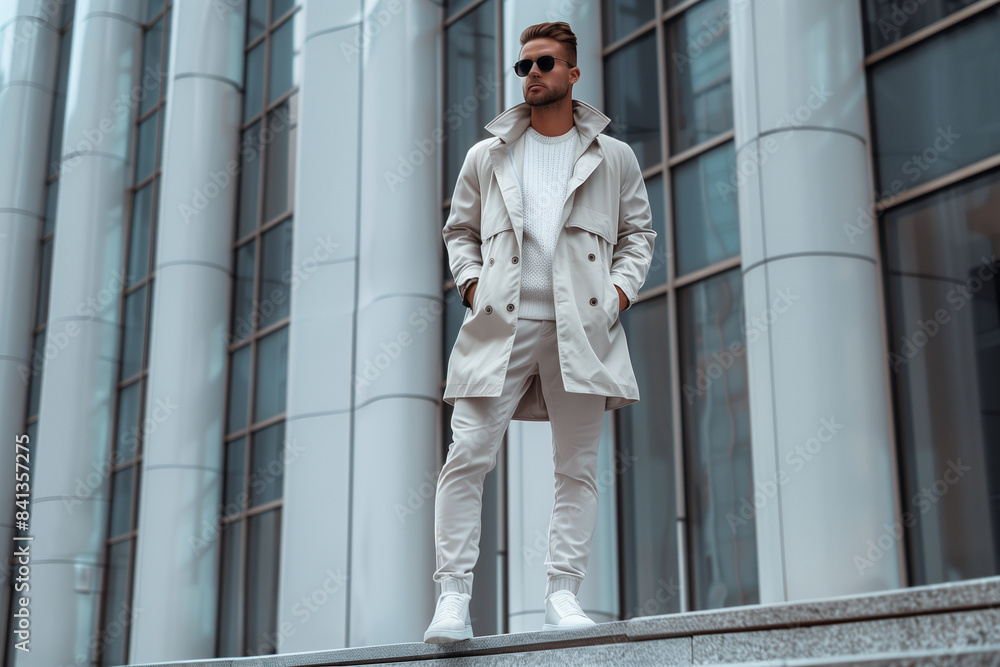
x=228, y=312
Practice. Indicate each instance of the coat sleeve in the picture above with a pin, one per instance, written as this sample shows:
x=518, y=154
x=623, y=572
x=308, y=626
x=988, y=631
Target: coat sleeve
x=462, y=229
x=633, y=252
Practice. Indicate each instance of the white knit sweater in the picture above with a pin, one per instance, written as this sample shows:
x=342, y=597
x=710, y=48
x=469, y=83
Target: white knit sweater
x=545, y=170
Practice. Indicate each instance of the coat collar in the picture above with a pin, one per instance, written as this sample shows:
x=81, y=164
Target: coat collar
x=509, y=126
x=513, y=122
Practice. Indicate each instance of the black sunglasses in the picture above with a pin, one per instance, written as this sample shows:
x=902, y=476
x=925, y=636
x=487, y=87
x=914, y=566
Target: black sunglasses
x=545, y=64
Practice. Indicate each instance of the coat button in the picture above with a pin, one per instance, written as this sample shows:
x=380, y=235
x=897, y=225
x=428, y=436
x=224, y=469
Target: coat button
x=593, y=301
x=488, y=309
x=491, y=261
x=510, y=308
x=591, y=257
x=513, y=260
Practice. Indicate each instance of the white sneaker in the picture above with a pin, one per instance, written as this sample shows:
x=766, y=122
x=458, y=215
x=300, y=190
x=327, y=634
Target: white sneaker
x=563, y=611
x=451, y=622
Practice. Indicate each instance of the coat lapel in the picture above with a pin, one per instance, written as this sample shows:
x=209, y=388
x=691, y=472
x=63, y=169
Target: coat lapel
x=511, y=124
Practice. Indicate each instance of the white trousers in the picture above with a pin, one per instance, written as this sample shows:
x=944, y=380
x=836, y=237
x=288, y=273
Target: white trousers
x=478, y=425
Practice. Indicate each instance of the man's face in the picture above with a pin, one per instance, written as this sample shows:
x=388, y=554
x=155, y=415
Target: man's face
x=543, y=88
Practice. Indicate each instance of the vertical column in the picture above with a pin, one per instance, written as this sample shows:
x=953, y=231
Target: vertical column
x=77, y=399
x=530, y=446
x=822, y=458
x=176, y=557
x=315, y=572
x=29, y=51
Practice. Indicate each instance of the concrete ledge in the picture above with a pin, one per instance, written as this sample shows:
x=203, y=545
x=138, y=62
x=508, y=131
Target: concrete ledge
x=955, y=623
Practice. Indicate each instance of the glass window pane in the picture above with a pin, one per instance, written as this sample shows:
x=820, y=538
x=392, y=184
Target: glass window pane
x=454, y=6
x=153, y=7
x=152, y=67
x=243, y=312
x=705, y=215
x=625, y=16
x=657, y=274
x=249, y=180
x=935, y=104
x=723, y=553
x=239, y=388
x=145, y=160
x=271, y=381
x=121, y=502
x=253, y=83
x=266, y=480
x=235, y=474
x=256, y=24
x=135, y=329
x=67, y=11
x=454, y=315
x=281, y=61
x=279, y=180
x=44, y=284
x=262, y=583
x=117, y=610
x=281, y=7
x=229, y=607
x=128, y=423
x=37, y=366
x=471, y=88
x=276, y=268
x=888, y=21
x=632, y=98
x=51, y=203
x=699, y=85
x=945, y=363
x=138, y=254
x=648, y=470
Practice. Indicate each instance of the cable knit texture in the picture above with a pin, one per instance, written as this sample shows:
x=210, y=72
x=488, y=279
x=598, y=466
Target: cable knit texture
x=545, y=173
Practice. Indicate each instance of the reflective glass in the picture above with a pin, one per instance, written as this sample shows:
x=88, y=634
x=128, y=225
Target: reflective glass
x=699, y=82
x=117, y=618
x=59, y=106
x=135, y=329
x=270, y=383
x=145, y=161
x=276, y=267
x=138, y=254
x=233, y=499
x=888, y=21
x=266, y=479
x=152, y=67
x=239, y=389
x=281, y=7
x=706, y=217
x=121, y=502
x=279, y=180
x=250, y=147
x=243, y=302
x=622, y=17
x=257, y=20
x=657, y=274
x=37, y=366
x=632, y=98
x=44, y=284
x=716, y=421
x=229, y=604
x=153, y=7
x=281, y=61
x=128, y=422
x=51, y=205
x=253, y=82
x=454, y=6
x=262, y=583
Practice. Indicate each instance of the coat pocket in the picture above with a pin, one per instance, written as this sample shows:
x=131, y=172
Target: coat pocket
x=594, y=221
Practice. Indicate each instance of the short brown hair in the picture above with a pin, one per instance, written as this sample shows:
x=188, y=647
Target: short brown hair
x=557, y=30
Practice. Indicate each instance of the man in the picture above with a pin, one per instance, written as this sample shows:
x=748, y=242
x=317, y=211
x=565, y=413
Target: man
x=549, y=238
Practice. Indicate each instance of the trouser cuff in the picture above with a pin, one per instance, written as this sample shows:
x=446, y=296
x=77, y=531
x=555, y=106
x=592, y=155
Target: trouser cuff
x=456, y=584
x=563, y=582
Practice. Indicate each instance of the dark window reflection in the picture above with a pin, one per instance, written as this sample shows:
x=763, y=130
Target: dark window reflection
x=262, y=583
x=888, y=21
x=723, y=543
x=699, y=83
x=622, y=17
x=471, y=85
x=648, y=493
x=657, y=274
x=705, y=210
x=632, y=100
x=934, y=105
x=945, y=364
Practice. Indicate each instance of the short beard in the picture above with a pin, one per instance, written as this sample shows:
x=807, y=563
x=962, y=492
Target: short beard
x=550, y=99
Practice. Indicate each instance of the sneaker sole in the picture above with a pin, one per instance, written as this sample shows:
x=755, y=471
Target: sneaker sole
x=447, y=636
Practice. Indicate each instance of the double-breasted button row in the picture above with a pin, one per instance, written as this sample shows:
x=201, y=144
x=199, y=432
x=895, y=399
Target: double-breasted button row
x=489, y=309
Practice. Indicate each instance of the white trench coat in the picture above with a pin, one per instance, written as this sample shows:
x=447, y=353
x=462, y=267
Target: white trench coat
x=605, y=239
